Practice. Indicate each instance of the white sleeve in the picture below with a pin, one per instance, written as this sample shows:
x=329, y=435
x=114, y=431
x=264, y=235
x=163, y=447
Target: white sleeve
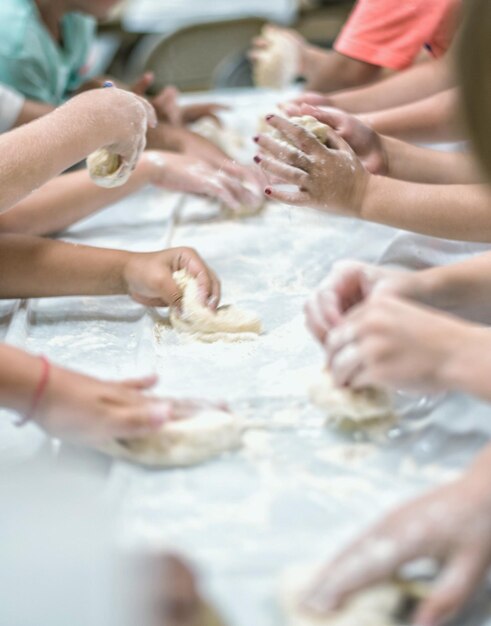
x=11, y=103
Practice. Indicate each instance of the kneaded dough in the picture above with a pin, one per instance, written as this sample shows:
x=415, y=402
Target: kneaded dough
x=350, y=408
x=228, y=323
x=319, y=130
x=184, y=442
x=380, y=605
x=225, y=138
x=277, y=65
x=106, y=169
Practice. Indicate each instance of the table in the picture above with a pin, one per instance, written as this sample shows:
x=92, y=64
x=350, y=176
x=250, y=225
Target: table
x=296, y=492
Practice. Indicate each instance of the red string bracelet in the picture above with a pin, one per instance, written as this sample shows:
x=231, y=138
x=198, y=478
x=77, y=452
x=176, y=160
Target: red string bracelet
x=38, y=393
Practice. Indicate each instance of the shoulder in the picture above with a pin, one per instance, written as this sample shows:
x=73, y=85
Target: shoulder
x=80, y=24
x=19, y=23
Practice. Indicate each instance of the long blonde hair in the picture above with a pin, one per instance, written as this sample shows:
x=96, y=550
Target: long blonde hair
x=474, y=67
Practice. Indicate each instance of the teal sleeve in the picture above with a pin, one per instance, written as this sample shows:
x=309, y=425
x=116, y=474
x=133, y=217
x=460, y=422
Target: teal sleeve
x=28, y=77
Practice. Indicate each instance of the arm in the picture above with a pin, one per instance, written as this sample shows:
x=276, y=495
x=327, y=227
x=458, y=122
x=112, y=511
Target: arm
x=108, y=117
x=432, y=119
x=32, y=110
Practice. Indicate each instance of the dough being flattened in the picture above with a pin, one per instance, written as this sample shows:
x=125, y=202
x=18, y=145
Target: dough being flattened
x=350, y=408
x=380, y=605
x=277, y=65
x=319, y=130
x=184, y=442
x=106, y=168
x=227, y=323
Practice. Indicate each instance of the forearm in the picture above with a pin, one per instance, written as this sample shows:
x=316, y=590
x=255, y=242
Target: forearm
x=36, y=267
x=412, y=163
x=24, y=165
x=32, y=110
x=421, y=81
x=20, y=373
x=66, y=200
x=432, y=119
x=458, y=212
x=328, y=71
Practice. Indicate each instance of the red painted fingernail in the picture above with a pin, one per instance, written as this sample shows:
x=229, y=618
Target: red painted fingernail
x=269, y=117
x=256, y=138
x=268, y=191
x=257, y=159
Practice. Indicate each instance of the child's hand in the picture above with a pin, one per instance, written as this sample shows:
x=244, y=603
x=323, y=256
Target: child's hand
x=366, y=143
x=84, y=409
x=193, y=112
x=348, y=284
x=148, y=277
x=388, y=342
x=451, y=524
x=328, y=178
x=311, y=98
x=180, y=172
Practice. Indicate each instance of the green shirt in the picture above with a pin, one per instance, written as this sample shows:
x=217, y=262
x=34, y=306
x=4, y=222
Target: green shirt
x=32, y=62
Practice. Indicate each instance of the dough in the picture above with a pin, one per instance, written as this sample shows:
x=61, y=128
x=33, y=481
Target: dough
x=349, y=408
x=319, y=130
x=247, y=210
x=226, y=139
x=277, y=65
x=380, y=605
x=228, y=323
x=184, y=442
x=106, y=169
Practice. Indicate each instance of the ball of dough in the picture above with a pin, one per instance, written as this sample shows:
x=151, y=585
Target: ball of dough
x=106, y=168
x=350, y=408
x=380, y=605
x=319, y=130
x=277, y=65
x=227, y=323
x=184, y=442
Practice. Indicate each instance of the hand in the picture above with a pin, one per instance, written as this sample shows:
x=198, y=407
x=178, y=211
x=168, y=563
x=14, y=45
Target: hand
x=388, y=342
x=122, y=118
x=348, y=284
x=193, y=112
x=451, y=524
x=312, y=98
x=167, y=106
x=179, y=172
x=148, y=277
x=84, y=409
x=329, y=178
x=366, y=143
x=294, y=39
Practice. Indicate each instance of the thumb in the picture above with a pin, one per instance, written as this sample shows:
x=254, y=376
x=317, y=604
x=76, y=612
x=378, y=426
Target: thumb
x=330, y=116
x=140, y=384
x=141, y=86
x=454, y=588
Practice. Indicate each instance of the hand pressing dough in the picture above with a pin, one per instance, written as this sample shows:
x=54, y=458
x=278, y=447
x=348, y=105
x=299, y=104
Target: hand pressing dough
x=227, y=323
x=184, y=442
x=350, y=408
x=381, y=605
x=277, y=65
x=226, y=139
x=106, y=169
x=319, y=130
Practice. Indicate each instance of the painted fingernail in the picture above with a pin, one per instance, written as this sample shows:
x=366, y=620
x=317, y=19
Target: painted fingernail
x=268, y=191
x=257, y=159
x=256, y=138
x=269, y=117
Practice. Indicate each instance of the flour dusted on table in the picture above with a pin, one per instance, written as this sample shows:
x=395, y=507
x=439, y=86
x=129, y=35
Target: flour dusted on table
x=106, y=168
x=227, y=323
x=351, y=408
x=207, y=434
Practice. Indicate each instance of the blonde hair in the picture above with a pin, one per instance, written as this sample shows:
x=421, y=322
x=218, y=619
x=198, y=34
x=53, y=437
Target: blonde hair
x=474, y=67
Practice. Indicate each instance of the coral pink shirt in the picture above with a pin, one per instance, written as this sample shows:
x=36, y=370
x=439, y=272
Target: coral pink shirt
x=391, y=33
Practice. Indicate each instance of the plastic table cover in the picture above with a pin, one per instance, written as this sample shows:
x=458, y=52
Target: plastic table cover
x=297, y=491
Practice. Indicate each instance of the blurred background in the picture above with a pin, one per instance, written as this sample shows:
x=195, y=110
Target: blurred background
x=198, y=45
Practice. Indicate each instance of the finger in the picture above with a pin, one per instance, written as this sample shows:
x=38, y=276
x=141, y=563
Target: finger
x=284, y=152
x=142, y=84
x=455, y=587
x=315, y=322
x=141, y=384
x=141, y=420
x=297, y=198
x=197, y=268
x=329, y=115
x=216, y=291
x=301, y=138
x=170, y=293
x=345, y=364
x=186, y=409
x=284, y=172
x=341, y=337
x=292, y=110
x=150, y=113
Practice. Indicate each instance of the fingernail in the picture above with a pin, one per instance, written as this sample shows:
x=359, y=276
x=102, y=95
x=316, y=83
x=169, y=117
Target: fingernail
x=256, y=138
x=268, y=191
x=257, y=159
x=161, y=413
x=213, y=301
x=269, y=117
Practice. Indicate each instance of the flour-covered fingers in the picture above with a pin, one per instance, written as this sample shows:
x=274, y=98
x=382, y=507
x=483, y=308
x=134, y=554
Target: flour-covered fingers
x=282, y=171
x=283, y=151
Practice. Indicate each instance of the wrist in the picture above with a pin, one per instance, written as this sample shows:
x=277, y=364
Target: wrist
x=463, y=348
x=152, y=167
